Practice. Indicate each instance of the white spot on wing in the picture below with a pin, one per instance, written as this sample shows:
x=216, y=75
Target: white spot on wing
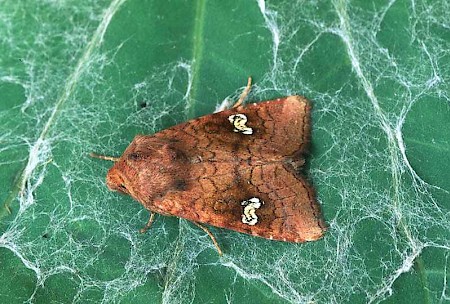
x=249, y=216
x=238, y=121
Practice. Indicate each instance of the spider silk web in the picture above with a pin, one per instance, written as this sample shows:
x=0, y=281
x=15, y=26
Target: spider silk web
x=67, y=230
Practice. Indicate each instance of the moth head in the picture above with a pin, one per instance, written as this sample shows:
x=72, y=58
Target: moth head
x=116, y=181
x=148, y=169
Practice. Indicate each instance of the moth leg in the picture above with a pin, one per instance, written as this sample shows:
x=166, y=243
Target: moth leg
x=8, y=209
x=149, y=223
x=244, y=93
x=94, y=155
x=210, y=235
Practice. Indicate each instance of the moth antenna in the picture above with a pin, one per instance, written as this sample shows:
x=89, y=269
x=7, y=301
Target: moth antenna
x=244, y=93
x=94, y=155
x=211, y=236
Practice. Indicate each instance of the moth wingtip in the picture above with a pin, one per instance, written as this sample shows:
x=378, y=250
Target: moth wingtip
x=318, y=235
x=300, y=99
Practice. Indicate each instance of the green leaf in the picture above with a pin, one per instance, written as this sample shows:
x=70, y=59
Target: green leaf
x=80, y=77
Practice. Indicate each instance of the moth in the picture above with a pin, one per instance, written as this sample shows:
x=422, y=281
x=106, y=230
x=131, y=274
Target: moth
x=238, y=169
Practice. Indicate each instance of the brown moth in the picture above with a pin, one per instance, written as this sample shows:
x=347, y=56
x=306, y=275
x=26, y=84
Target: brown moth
x=237, y=169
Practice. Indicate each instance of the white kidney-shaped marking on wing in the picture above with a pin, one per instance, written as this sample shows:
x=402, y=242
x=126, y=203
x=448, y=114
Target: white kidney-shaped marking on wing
x=249, y=217
x=239, y=121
